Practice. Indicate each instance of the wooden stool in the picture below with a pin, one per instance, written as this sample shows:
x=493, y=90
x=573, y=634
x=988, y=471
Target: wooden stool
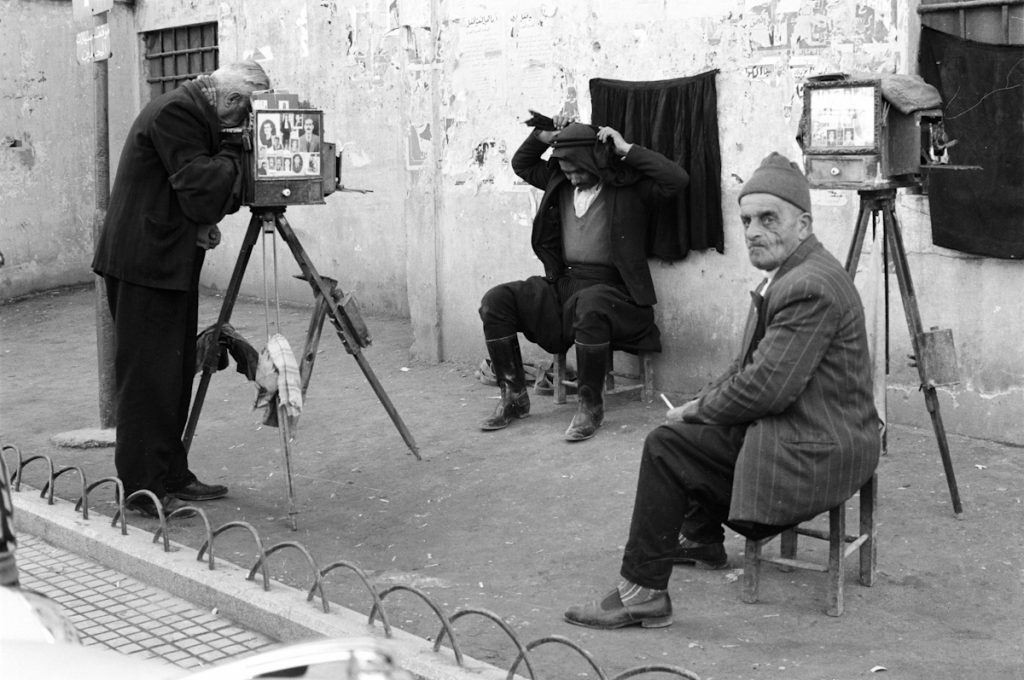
x=642, y=380
x=840, y=546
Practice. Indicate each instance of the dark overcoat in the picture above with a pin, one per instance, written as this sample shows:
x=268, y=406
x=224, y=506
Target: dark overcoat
x=174, y=174
x=805, y=390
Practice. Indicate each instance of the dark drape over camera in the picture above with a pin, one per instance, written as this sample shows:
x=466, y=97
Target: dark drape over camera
x=982, y=87
x=678, y=118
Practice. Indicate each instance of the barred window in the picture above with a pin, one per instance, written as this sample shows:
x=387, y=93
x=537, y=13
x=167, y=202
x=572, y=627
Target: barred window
x=174, y=55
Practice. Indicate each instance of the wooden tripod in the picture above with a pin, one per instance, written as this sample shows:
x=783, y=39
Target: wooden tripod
x=330, y=302
x=882, y=201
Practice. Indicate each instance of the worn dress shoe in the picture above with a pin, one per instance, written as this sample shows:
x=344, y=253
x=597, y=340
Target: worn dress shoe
x=610, y=613
x=197, y=491
x=144, y=506
x=700, y=555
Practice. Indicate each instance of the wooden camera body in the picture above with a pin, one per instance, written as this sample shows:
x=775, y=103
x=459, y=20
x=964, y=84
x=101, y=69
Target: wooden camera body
x=290, y=161
x=854, y=139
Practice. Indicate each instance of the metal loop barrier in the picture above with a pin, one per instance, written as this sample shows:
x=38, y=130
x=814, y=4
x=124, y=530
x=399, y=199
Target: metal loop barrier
x=378, y=605
x=445, y=623
x=523, y=652
x=202, y=515
x=656, y=668
x=207, y=549
x=83, y=502
x=22, y=464
x=49, y=487
x=159, y=513
x=8, y=470
x=562, y=641
x=256, y=538
x=317, y=586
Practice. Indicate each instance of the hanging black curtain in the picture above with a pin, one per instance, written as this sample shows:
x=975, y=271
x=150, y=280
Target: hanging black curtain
x=678, y=118
x=982, y=88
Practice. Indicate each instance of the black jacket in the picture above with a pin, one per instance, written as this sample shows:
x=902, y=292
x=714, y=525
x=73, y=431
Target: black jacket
x=174, y=175
x=631, y=205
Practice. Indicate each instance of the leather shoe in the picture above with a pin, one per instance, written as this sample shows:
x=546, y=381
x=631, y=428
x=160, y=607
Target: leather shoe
x=197, y=491
x=611, y=613
x=700, y=555
x=144, y=506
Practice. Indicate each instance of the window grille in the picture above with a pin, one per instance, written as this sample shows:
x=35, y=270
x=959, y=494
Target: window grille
x=174, y=55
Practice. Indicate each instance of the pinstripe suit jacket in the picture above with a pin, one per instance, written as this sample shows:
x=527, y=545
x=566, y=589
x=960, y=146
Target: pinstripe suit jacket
x=802, y=383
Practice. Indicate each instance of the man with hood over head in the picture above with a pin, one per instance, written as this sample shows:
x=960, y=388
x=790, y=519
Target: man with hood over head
x=590, y=233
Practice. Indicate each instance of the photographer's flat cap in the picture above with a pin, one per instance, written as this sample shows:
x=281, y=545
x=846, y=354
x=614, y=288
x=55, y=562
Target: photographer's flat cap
x=779, y=176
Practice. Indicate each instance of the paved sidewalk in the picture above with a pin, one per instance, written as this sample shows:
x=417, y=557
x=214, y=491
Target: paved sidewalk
x=184, y=612
x=111, y=609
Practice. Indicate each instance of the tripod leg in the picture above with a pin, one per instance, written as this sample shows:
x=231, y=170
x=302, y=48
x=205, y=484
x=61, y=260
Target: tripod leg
x=899, y=258
x=857, y=243
x=230, y=297
x=338, y=316
x=316, y=327
x=284, y=426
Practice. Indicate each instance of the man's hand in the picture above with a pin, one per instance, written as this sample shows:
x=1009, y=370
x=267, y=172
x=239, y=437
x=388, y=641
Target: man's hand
x=208, y=236
x=560, y=121
x=687, y=413
x=622, y=147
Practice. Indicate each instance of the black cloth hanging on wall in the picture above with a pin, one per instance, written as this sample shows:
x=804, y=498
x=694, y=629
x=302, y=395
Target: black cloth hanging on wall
x=678, y=118
x=982, y=86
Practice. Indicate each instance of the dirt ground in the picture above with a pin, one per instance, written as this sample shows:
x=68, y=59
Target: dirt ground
x=523, y=524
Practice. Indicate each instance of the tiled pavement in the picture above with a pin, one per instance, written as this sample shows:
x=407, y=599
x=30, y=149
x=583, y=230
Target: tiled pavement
x=114, y=610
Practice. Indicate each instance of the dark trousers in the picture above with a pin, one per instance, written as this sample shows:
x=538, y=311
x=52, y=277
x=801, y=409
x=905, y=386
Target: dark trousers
x=154, y=365
x=684, y=487
x=556, y=314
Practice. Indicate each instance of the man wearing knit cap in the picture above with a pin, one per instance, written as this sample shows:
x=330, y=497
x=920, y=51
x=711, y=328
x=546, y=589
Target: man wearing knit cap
x=787, y=432
x=600, y=194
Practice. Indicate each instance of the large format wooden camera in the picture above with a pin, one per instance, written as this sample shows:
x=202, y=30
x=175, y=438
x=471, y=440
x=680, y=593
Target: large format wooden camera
x=289, y=163
x=853, y=138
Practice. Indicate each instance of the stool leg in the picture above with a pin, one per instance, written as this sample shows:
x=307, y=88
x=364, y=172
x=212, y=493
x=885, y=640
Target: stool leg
x=751, y=570
x=836, y=554
x=646, y=377
x=868, y=550
x=787, y=547
x=609, y=377
x=559, y=378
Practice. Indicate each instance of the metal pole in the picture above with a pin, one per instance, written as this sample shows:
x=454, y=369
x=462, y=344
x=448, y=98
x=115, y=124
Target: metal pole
x=104, y=323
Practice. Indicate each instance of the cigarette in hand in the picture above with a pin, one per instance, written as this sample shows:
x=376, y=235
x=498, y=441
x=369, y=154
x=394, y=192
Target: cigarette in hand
x=667, y=402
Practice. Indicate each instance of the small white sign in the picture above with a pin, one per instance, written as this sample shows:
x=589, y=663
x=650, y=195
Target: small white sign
x=93, y=45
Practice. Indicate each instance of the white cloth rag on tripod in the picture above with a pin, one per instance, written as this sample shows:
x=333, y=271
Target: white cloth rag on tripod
x=278, y=381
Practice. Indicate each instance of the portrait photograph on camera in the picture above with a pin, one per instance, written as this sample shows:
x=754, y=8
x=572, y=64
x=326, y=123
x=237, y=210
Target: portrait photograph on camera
x=288, y=143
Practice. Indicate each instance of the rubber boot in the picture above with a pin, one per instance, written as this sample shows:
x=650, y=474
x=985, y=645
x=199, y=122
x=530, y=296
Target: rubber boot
x=507, y=362
x=591, y=365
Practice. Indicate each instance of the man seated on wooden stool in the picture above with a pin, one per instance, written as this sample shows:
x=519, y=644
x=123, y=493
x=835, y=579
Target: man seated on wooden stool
x=789, y=431
x=590, y=231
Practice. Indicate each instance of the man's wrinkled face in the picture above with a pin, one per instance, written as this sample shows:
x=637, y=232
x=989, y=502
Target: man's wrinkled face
x=773, y=228
x=578, y=177
x=232, y=109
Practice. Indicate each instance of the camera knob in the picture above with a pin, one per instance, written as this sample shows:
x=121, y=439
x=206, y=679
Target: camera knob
x=286, y=192
x=834, y=172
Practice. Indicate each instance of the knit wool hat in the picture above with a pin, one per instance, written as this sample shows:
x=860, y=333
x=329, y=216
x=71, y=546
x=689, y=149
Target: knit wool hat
x=779, y=176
